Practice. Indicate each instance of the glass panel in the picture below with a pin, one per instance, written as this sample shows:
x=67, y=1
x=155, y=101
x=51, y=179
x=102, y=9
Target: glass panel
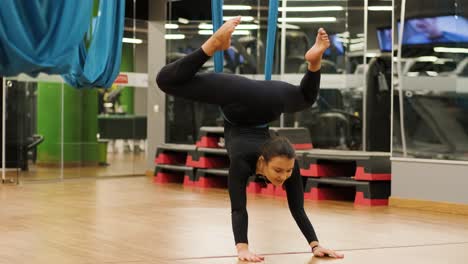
x=109, y=128
x=97, y=145
x=120, y=114
x=303, y=19
x=134, y=99
x=335, y=121
x=246, y=56
x=33, y=125
x=80, y=130
x=397, y=139
x=48, y=122
x=378, y=79
x=433, y=81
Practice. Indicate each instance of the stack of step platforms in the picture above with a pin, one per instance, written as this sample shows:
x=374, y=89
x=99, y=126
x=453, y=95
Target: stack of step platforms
x=328, y=174
x=171, y=162
x=203, y=165
x=211, y=167
x=336, y=175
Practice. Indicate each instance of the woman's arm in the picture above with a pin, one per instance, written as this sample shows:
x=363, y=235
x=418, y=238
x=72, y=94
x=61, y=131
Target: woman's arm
x=239, y=171
x=295, y=194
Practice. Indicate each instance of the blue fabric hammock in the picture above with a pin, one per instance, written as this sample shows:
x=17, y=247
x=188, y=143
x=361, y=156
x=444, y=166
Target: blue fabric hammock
x=49, y=36
x=217, y=17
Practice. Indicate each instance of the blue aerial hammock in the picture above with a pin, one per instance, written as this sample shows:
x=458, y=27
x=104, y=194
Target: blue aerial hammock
x=48, y=36
x=217, y=17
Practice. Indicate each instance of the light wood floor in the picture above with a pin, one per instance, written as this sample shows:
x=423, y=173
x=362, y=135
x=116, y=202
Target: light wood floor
x=132, y=220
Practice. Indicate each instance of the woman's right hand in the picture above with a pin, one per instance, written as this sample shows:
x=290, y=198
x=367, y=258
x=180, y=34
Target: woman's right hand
x=244, y=254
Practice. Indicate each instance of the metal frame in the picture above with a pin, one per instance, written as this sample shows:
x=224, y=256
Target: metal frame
x=62, y=132
x=4, y=87
x=364, y=92
x=400, y=75
x=283, y=48
x=392, y=83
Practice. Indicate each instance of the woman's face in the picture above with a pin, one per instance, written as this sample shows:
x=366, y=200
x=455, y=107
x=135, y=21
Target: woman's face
x=278, y=170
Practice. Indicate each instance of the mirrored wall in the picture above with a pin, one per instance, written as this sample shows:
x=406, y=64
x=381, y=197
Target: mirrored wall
x=55, y=132
x=431, y=103
x=337, y=119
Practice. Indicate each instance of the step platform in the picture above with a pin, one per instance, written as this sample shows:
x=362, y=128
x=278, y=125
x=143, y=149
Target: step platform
x=211, y=178
x=210, y=137
x=173, y=154
x=374, y=169
x=368, y=193
x=208, y=158
x=299, y=136
x=370, y=166
x=164, y=173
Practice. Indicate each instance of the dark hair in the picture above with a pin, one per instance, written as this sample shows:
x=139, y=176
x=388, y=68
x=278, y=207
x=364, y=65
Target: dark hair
x=277, y=146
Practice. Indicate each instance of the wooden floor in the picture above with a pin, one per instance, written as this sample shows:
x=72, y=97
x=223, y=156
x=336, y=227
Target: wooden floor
x=134, y=221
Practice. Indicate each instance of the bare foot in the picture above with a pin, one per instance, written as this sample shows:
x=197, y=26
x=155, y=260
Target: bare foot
x=314, y=55
x=221, y=39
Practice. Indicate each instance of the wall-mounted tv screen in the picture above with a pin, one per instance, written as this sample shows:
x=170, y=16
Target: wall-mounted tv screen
x=433, y=30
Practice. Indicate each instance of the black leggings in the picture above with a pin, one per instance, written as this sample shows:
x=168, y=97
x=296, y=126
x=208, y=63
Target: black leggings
x=244, y=101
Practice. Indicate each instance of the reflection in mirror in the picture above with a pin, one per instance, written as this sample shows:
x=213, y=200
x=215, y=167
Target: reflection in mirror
x=433, y=82
x=336, y=120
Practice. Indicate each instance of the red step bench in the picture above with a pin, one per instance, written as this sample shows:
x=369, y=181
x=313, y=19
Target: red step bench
x=208, y=158
x=173, y=154
x=336, y=163
x=368, y=193
x=164, y=173
x=211, y=178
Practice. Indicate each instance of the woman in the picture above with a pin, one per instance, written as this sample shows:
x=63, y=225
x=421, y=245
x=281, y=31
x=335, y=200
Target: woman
x=248, y=106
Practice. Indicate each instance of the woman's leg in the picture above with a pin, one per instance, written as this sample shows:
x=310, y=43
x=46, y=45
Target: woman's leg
x=303, y=96
x=180, y=78
x=314, y=55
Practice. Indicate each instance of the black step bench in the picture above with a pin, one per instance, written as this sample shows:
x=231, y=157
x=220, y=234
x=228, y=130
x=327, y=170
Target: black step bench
x=371, y=166
x=164, y=173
